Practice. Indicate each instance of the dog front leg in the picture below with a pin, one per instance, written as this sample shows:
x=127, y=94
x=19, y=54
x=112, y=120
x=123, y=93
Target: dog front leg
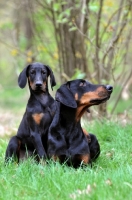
x=36, y=139
x=13, y=150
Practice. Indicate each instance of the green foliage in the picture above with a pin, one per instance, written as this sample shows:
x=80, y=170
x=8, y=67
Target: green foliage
x=7, y=26
x=15, y=54
x=56, y=6
x=78, y=74
x=73, y=28
x=13, y=99
x=109, y=178
x=94, y=7
x=22, y=43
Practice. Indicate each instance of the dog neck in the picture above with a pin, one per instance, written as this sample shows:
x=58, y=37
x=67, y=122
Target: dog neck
x=41, y=97
x=80, y=111
x=67, y=114
x=72, y=114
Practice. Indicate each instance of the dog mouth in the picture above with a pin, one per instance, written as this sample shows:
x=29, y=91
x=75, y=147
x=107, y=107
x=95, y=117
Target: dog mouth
x=99, y=101
x=39, y=89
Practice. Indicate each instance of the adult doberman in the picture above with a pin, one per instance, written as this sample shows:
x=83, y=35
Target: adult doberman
x=32, y=132
x=66, y=139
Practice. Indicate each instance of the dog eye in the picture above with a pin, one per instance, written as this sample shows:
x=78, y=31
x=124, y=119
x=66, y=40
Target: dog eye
x=32, y=72
x=82, y=84
x=43, y=72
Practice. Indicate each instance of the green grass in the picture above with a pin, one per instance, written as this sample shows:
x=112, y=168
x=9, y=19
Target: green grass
x=110, y=177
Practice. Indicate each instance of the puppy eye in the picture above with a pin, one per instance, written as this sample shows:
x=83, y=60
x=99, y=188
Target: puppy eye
x=32, y=72
x=43, y=72
x=82, y=84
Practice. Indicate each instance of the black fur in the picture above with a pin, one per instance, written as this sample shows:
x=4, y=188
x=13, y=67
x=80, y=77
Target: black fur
x=33, y=129
x=66, y=139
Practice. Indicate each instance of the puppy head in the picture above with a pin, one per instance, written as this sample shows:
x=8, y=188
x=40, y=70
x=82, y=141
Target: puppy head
x=37, y=75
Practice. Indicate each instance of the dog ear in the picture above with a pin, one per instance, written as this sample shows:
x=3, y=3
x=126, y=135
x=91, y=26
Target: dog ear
x=22, y=79
x=52, y=78
x=56, y=140
x=65, y=96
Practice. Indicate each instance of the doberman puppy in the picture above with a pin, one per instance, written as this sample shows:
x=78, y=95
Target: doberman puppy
x=33, y=129
x=66, y=139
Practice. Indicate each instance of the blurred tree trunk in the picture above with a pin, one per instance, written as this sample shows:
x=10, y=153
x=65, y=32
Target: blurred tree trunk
x=22, y=21
x=69, y=33
x=17, y=19
x=72, y=43
x=27, y=22
x=86, y=33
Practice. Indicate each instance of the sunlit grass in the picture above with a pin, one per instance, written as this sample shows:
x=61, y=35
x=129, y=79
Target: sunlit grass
x=109, y=178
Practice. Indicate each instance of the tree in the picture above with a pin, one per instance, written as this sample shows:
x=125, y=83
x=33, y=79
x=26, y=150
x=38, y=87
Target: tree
x=89, y=37
x=79, y=39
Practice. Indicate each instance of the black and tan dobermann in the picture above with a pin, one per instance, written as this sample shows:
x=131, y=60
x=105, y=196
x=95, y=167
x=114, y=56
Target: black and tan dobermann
x=66, y=139
x=33, y=129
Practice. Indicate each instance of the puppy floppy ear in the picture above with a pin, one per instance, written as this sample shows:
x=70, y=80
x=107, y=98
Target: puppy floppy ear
x=22, y=79
x=52, y=78
x=65, y=96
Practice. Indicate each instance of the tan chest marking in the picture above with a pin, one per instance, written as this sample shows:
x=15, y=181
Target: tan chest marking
x=38, y=117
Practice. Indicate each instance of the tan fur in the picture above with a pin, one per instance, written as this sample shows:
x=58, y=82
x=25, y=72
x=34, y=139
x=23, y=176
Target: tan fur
x=37, y=117
x=85, y=158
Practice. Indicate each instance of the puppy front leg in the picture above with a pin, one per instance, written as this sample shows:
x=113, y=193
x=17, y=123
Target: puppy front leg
x=36, y=139
x=13, y=150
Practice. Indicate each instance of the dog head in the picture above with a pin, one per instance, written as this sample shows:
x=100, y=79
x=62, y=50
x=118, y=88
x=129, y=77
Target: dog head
x=81, y=94
x=37, y=75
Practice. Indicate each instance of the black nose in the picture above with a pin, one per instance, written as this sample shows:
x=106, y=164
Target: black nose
x=38, y=83
x=109, y=88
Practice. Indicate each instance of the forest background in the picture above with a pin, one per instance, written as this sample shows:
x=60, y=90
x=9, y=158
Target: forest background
x=90, y=39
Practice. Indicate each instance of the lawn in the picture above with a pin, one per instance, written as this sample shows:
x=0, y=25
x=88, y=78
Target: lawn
x=110, y=177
